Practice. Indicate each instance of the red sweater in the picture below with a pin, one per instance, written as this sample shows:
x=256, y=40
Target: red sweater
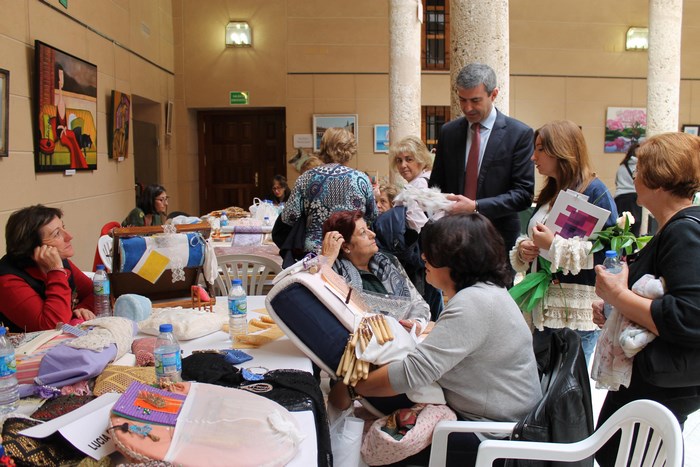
x=24, y=307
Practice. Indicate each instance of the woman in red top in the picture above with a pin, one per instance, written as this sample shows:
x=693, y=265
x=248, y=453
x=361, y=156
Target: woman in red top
x=39, y=286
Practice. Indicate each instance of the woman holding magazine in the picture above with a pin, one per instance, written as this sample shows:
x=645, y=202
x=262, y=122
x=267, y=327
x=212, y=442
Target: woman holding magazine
x=668, y=175
x=561, y=156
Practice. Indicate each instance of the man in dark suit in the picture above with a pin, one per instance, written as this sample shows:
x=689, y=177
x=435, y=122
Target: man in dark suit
x=488, y=170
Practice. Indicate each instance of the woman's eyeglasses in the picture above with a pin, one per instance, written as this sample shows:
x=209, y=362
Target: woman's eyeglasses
x=163, y=199
x=56, y=234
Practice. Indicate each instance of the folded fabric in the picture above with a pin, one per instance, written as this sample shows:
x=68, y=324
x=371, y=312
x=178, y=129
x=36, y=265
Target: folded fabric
x=52, y=451
x=416, y=425
x=61, y=405
x=143, y=349
x=187, y=323
x=105, y=332
x=63, y=365
x=621, y=339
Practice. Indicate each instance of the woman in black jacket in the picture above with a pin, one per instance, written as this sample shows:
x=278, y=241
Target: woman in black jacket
x=668, y=175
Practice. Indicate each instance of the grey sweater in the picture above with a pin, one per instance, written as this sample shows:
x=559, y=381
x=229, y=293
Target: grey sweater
x=480, y=353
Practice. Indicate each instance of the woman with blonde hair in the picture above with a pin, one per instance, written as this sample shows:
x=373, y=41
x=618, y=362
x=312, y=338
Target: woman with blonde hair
x=561, y=155
x=411, y=159
x=325, y=189
x=668, y=175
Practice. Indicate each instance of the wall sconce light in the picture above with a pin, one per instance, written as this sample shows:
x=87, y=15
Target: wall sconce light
x=239, y=34
x=637, y=39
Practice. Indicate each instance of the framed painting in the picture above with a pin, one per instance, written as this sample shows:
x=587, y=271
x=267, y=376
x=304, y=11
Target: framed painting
x=119, y=126
x=381, y=138
x=623, y=127
x=691, y=129
x=65, y=111
x=4, y=112
x=323, y=122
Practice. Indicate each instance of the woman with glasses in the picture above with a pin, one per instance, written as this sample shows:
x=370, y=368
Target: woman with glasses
x=152, y=208
x=39, y=286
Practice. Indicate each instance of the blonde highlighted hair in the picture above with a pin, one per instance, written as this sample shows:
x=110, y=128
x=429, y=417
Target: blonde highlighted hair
x=337, y=145
x=415, y=147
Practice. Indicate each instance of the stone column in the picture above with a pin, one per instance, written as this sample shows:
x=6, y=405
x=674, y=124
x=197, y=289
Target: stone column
x=479, y=33
x=664, y=75
x=404, y=68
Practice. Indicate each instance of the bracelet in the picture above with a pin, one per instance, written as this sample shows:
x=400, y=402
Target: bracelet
x=476, y=206
x=353, y=395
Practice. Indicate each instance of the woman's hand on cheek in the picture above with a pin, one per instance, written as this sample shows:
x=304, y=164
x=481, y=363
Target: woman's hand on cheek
x=47, y=258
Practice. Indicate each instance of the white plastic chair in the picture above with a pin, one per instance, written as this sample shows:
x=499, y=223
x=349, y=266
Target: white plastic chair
x=104, y=247
x=255, y=272
x=658, y=428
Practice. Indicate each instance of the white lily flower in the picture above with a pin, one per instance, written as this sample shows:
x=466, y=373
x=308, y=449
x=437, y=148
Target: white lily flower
x=621, y=220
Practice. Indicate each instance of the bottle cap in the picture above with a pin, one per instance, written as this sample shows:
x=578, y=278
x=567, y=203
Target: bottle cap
x=236, y=282
x=610, y=254
x=166, y=327
x=2, y=330
x=100, y=267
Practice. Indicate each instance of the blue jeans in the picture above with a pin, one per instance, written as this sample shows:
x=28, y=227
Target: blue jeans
x=588, y=340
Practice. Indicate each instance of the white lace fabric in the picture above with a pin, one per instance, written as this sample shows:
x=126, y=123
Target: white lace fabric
x=107, y=331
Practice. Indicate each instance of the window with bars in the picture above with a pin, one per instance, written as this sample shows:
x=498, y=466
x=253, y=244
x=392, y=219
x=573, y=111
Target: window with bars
x=432, y=119
x=435, y=35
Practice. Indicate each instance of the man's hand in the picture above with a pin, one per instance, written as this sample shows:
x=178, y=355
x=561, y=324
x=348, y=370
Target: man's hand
x=462, y=204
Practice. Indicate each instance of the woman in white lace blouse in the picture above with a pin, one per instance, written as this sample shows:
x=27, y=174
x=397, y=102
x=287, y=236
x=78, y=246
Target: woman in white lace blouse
x=561, y=156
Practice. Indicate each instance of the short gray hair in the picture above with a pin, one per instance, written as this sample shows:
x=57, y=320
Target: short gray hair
x=475, y=74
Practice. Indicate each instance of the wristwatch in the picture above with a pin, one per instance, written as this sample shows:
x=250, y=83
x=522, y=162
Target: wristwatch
x=476, y=206
x=353, y=395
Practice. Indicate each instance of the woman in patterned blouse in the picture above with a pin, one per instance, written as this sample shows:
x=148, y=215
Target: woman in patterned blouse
x=328, y=188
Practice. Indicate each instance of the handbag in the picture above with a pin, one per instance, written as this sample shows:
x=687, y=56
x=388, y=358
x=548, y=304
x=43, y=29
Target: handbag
x=669, y=365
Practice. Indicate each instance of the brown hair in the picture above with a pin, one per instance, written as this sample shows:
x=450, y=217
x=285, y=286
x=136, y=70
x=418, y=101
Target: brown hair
x=413, y=146
x=390, y=190
x=563, y=140
x=22, y=232
x=670, y=161
x=337, y=145
x=310, y=163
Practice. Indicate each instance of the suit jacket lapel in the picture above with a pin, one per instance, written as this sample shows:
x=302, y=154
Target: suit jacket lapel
x=498, y=132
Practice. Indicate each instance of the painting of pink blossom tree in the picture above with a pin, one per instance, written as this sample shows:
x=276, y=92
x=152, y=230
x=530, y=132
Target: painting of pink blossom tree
x=624, y=126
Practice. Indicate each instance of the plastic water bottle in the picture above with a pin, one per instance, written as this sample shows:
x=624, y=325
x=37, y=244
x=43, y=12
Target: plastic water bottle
x=237, y=310
x=100, y=290
x=9, y=389
x=223, y=220
x=167, y=356
x=613, y=266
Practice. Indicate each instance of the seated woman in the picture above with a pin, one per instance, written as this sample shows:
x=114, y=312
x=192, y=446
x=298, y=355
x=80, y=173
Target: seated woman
x=484, y=376
x=280, y=190
x=152, y=208
x=348, y=244
x=39, y=286
x=385, y=198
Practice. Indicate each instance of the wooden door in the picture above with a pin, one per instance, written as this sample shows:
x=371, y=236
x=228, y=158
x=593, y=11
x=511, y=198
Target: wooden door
x=240, y=151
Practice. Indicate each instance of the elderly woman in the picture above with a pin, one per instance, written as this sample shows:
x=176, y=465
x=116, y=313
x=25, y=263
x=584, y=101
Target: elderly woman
x=484, y=376
x=411, y=159
x=561, y=155
x=668, y=175
x=39, y=286
x=385, y=198
x=323, y=190
x=152, y=208
x=349, y=245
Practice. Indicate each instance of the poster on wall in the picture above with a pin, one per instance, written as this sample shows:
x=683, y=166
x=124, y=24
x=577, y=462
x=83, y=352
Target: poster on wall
x=624, y=126
x=323, y=122
x=119, y=126
x=65, y=111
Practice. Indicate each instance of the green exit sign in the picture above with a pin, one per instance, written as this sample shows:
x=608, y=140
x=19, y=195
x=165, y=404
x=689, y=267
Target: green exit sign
x=238, y=98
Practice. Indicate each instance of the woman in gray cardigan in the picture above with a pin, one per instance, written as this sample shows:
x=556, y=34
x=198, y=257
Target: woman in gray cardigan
x=480, y=350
